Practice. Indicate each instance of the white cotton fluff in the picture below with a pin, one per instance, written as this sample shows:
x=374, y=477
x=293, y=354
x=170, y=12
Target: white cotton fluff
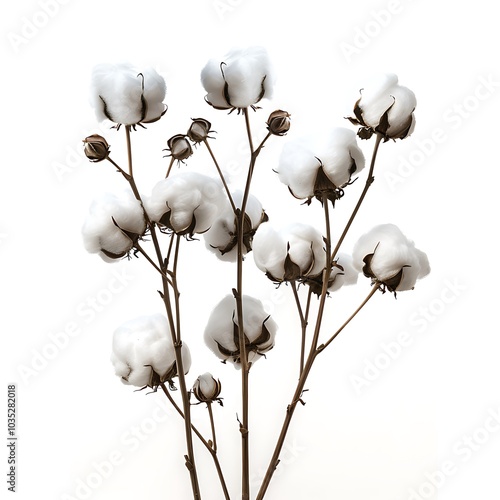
x=301, y=242
x=142, y=345
x=191, y=200
x=221, y=327
x=392, y=252
x=101, y=234
x=222, y=234
x=240, y=80
x=382, y=92
x=348, y=275
x=336, y=151
x=116, y=91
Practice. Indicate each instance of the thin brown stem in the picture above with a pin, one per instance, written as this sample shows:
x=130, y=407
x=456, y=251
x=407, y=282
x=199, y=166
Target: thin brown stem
x=297, y=397
x=151, y=261
x=170, y=167
x=310, y=359
x=190, y=460
x=176, y=288
x=374, y=289
x=221, y=175
x=238, y=295
x=205, y=443
x=303, y=325
x=212, y=425
x=129, y=150
x=368, y=183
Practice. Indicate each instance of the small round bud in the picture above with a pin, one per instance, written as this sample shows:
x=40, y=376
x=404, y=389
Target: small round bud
x=278, y=122
x=96, y=148
x=179, y=147
x=199, y=130
x=206, y=389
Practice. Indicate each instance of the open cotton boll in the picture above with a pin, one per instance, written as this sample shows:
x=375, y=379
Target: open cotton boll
x=143, y=354
x=385, y=255
x=298, y=168
x=222, y=239
x=186, y=203
x=339, y=154
x=240, y=80
x=221, y=332
x=386, y=107
x=321, y=164
x=127, y=95
x=113, y=225
x=344, y=273
x=294, y=252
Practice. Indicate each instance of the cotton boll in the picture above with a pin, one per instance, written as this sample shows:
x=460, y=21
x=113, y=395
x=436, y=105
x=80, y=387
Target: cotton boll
x=294, y=252
x=186, y=203
x=114, y=224
x=154, y=94
x=221, y=238
x=206, y=389
x=340, y=155
x=221, y=332
x=143, y=353
x=387, y=256
x=127, y=95
x=343, y=273
x=320, y=165
x=385, y=107
x=298, y=168
x=241, y=80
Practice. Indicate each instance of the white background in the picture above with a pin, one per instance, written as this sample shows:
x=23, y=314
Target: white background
x=429, y=409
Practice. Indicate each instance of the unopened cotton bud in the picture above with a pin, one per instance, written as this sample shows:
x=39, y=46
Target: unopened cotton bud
x=199, y=130
x=179, y=147
x=385, y=108
x=278, y=122
x=95, y=148
x=206, y=389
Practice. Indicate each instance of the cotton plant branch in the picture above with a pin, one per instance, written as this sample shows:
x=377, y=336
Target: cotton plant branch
x=238, y=295
x=169, y=281
x=239, y=329
x=297, y=398
x=314, y=349
x=221, y=175
x=211, y=448
x=368, y=183
x=303, y=324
